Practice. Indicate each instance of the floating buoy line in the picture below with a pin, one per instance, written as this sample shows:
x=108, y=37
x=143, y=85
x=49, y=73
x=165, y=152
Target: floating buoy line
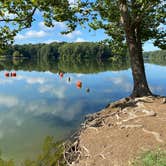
x=10, y=74
x=61, y=74
x=78, y=84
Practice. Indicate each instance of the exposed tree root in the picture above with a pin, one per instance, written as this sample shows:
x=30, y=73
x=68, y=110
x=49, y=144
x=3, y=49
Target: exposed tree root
x=131, y=126
x=147, y=113
x=102, y=154
x=93, y=128
x=72, y=152
x=87, y=151
x=155, y=134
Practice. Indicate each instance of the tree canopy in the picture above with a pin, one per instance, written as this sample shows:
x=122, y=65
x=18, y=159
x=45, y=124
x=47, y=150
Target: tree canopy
x=16, y=15
x=115, y=16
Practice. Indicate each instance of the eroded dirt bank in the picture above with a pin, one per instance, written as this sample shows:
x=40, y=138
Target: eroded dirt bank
x=117, y=134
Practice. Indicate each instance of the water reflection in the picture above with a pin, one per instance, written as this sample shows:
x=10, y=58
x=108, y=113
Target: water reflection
x=64, y=66
x=39, y=102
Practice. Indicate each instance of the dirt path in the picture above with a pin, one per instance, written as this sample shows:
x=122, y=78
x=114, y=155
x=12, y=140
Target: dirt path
x=118, y=133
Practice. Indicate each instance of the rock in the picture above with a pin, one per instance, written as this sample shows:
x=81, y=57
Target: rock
x=164, y=101
x=90, y=117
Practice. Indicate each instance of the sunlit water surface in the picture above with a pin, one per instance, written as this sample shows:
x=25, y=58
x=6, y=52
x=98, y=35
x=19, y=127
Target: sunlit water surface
x=37, y=104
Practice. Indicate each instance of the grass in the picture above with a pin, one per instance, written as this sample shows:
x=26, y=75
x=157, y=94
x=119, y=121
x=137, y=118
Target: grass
x=151, y=158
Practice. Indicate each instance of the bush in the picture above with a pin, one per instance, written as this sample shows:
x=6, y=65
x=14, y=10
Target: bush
x=151, y=158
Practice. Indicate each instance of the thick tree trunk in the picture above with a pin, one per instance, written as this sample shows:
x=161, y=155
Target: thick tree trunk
x=138, y=71
x=133, y=38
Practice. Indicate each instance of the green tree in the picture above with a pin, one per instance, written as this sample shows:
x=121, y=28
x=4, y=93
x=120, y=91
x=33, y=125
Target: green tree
x=128, y=23
x=16, y=15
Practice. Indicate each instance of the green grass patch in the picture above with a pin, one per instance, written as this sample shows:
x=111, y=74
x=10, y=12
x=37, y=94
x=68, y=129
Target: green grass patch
x=151, y=158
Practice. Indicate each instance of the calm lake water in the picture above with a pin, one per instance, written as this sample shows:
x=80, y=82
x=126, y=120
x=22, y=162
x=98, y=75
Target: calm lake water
x=39, y=103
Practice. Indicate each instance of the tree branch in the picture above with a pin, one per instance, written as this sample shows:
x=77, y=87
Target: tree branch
x=138, y=18
x=17, y=19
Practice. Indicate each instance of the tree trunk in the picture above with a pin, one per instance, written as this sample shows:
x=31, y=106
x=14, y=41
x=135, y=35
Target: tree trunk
x=137, y=65
x=133, y=38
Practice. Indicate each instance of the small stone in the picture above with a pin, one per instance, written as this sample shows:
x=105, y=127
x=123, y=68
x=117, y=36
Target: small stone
x=164, y=101
x=110, y=125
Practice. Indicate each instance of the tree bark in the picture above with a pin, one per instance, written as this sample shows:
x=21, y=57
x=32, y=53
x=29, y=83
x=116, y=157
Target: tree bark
x=138, y=71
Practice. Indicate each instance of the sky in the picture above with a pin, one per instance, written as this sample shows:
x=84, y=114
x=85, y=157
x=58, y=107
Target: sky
x=39, y=33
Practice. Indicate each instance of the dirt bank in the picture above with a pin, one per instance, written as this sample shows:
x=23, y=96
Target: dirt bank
x=120, y=132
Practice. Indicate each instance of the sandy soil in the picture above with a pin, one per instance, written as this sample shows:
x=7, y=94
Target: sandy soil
x=120, y=132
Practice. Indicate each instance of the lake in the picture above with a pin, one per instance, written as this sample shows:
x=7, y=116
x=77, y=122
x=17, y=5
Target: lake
x=44, y=100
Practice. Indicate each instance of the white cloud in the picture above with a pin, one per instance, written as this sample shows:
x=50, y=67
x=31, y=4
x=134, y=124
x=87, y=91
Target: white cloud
x=80, y=40
x=61, y=25
x=32, y=34
x=8, y=15
x=33, y=107
x=117, y=80
x=73, y=34
x=42, y=26
x=73, y=2
x=32, y=80
x=79, y=75
x=51, y=41
x=71, y=112
x=57, y=25
x=8, y=101
x=58, y=92
x=58, y=109
x=122, y=82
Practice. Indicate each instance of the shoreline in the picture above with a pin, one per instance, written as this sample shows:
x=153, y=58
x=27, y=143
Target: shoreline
x=124, y=120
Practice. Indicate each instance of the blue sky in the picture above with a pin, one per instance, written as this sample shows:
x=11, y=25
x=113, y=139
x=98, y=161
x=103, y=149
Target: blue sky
x=39, y=33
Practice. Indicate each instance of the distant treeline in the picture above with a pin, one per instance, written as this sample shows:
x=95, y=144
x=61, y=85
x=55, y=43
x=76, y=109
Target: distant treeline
x=156, y=57
x=78, y=51
x=75, y=52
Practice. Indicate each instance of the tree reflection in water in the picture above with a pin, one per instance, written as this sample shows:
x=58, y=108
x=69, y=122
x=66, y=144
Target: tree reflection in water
x=51, y=155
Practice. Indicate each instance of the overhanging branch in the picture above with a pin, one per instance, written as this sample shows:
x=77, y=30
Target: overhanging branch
x=19, y=19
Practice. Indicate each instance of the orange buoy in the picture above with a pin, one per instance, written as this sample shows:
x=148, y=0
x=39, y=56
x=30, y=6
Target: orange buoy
x=6, y=74
x=79, y=84
x=61, y=75
x=13, y=74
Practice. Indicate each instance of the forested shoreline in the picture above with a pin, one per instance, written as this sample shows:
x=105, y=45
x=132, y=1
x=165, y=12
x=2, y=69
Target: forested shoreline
x=63, y=50
x=156, y=57
x=73, y=51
